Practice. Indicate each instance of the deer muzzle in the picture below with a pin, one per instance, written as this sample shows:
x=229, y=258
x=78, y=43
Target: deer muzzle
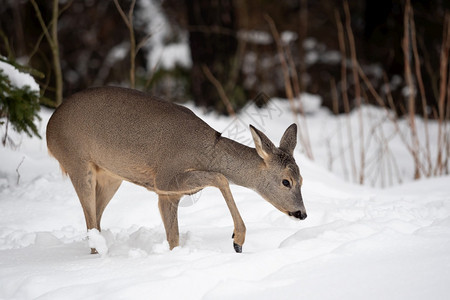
x=298, y=214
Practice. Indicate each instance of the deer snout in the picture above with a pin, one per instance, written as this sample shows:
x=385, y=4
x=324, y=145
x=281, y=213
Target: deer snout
x=298, y=214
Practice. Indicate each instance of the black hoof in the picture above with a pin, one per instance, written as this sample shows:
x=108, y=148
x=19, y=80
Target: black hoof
x=237, y=248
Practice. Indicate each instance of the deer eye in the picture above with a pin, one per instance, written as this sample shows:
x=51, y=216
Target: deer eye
x=286, y=183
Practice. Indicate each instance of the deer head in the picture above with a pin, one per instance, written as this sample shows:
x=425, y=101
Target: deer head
x=280, y=181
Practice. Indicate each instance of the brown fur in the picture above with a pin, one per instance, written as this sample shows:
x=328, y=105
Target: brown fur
x=103, y=136
x=63, y=171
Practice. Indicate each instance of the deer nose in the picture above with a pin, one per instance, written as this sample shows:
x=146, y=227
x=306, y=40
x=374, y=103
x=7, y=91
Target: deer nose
x=299, y=214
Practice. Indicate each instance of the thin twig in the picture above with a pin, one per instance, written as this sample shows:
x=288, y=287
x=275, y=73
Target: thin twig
x=122, y=14
x=220, y=90
x=422, y=91
x=406, y=44
x=443, y=92
x=341, y=39
x=41, y=21
x=355, y=66
x=296, y=85
x=17, y=170
x=41, y=36
x=412, y=150
x=129, y=23
x=142, y=43
x=334, y=97
x=287, y=79
x=52, y=39
x=288, y=84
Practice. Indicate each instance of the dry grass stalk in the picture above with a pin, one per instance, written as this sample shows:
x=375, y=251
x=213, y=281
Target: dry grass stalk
x=223, y=96
x=390, y=116
x=134, y=48
x=344, y=93
x=52, y=39
x=334, y=95
x=441, y=163
x=421, y=154
x=421, y=89
x=351, y=41
x=129, y=23
x=304, y=138
x=296, y=84
x=281, y=55
x=303, y=32
x=406, y=45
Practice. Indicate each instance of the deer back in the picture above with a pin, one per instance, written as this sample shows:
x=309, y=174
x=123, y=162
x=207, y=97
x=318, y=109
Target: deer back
x=127, y=132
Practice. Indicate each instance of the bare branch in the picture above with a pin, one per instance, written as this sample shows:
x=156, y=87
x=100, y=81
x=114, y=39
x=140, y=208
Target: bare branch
x=341, y=39
x=355, y=66
x=122, y=14
x=220, y=90
x=42, y=23
x=129, y=23
x=422, y=91
x=288, y=84
x=17, y=170
x=142, y=43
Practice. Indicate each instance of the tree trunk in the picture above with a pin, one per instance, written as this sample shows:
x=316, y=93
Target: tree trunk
x=213, y=44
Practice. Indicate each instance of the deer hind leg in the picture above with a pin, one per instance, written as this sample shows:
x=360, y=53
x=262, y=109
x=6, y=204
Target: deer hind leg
x=106, y=187
x=168, y=207
x=193, y=181
x=83, y=177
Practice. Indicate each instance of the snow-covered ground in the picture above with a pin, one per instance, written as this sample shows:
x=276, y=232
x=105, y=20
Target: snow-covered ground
x=357, y=242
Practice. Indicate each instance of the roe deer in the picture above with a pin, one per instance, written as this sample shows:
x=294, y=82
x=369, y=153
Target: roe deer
x=102, y=136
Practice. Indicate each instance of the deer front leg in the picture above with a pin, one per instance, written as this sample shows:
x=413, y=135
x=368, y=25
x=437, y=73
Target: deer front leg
x=194, y=181
x=168, y=207
x=239, y=226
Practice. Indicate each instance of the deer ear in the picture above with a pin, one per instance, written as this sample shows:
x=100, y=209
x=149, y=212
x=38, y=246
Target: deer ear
x=289, y=139
x=263, y=145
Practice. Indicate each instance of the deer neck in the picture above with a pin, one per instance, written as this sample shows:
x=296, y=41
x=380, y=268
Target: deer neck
x=240, y=164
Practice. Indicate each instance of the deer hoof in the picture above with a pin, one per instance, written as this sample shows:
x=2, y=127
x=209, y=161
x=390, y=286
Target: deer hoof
x=237, y=248
x=94, y=251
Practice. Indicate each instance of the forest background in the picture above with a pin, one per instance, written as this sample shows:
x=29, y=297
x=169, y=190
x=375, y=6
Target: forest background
x=222, y=54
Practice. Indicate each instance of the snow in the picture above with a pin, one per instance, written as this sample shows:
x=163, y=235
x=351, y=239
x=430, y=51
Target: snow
x=310, y=103
x=257, y=37
x=288, y=36
x=175, y=54
x=160, y=52
x=316, y=52
x=358, y=242
x=97, y=241
x=309, y=43
x=19, y=79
